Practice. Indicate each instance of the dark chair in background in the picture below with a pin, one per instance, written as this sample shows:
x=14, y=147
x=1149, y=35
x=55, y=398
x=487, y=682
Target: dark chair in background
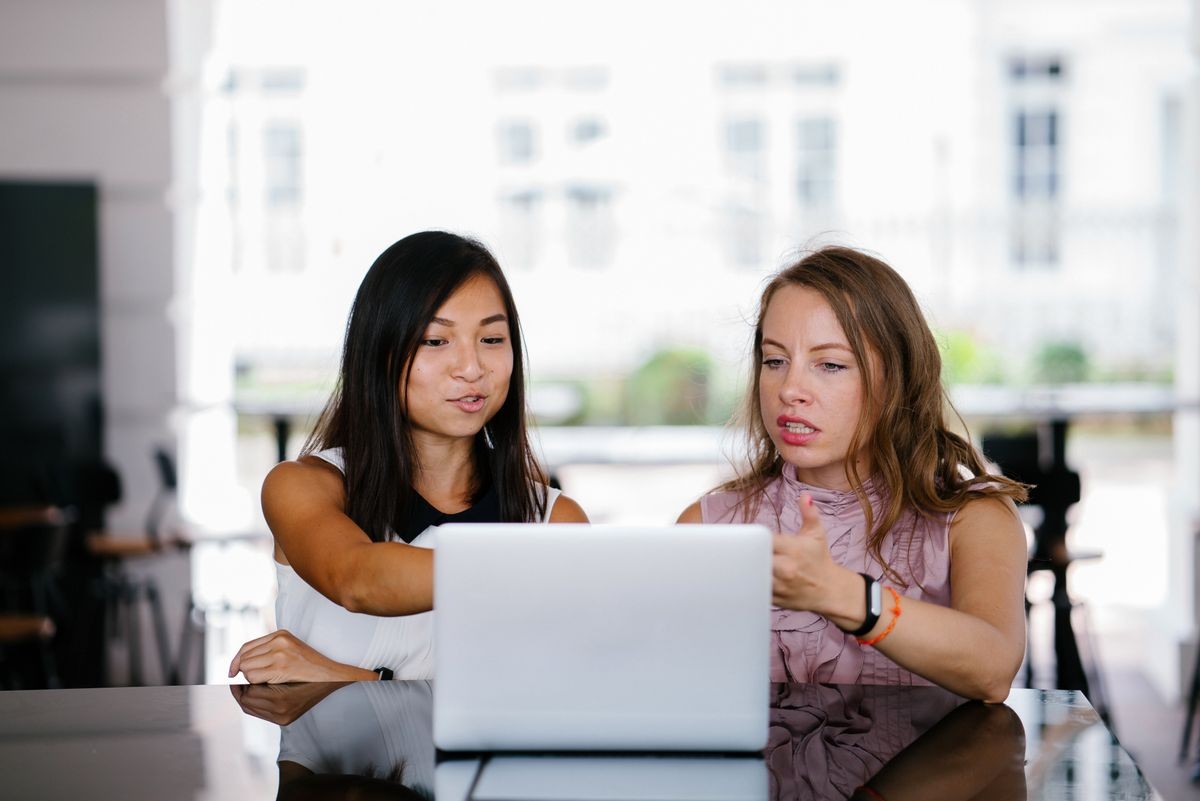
x=26, y=652
x=32, y=544
x=121, y=589
x=1038, y=458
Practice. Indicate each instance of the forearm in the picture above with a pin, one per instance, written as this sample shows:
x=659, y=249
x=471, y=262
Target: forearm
x=386, y=579
x=956, y=650
x=953, y=649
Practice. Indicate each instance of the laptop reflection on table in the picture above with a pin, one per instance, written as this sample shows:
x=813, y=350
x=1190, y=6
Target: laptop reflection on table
x=602, y=778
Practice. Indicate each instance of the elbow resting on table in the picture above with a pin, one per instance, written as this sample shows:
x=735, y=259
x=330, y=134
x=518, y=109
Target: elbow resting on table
x=996, y=694
x=994, y=685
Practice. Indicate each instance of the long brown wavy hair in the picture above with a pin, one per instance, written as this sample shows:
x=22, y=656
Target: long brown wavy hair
x=918, y=462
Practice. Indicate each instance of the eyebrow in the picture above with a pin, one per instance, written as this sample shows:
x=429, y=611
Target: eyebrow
x=822, y=346
x=495, y=318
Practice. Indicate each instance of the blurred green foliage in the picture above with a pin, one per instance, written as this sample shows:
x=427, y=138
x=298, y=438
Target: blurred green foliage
x=1061, y=362
x=672, y=387
x=965, y=360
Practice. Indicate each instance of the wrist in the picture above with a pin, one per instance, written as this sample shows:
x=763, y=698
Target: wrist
x=846, y=605
x=358, y=674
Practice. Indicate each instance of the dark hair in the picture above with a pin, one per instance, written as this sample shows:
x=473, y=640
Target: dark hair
x=365, y=416
x=903, y=424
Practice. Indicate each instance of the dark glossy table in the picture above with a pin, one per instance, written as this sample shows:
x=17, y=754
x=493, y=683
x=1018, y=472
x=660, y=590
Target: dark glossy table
x=373, y=740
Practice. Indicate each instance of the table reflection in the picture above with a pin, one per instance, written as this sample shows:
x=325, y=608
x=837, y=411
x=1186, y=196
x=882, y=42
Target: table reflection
x=364, y=740
x=374, y=740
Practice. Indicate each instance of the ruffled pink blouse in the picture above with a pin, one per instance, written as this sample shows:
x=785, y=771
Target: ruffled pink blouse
x=806, y=647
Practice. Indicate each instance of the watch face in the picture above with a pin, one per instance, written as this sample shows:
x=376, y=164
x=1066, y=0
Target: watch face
x=876, y=599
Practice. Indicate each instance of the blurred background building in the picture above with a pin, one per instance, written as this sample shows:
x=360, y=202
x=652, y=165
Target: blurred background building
x=639, y=169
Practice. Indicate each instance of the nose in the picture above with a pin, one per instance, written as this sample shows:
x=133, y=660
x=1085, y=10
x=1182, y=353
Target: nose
x=467, y=365
x=795, y=388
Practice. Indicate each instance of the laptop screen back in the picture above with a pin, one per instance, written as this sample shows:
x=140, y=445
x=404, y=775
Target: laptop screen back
x=571, y=637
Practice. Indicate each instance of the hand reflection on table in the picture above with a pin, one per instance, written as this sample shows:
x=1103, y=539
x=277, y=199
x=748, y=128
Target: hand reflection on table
x=366, y=740
x=827, y=742
x=281, y=703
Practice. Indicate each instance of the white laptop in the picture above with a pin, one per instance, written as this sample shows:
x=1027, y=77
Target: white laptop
x=576, y=637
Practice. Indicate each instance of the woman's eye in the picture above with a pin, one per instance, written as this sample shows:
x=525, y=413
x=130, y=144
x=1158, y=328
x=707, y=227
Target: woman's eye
x=772, y=362
x=831, y=367
x=433, y=342
x=493, y=340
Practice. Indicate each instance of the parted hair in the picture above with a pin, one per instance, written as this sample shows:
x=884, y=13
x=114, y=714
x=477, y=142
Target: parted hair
x=918, y=462
x=366, y=415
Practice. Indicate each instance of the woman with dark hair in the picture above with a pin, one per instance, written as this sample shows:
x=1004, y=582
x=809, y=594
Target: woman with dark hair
x=885, y=510
x=426, y=426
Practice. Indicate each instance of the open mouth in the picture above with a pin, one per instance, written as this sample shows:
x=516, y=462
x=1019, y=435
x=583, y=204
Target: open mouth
x=796, y=431
x=470, y=403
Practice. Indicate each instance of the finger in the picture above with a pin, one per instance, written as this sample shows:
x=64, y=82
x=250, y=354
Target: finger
x=261, y=669
x=267, y=650
x=234, y=665
x=809, y=515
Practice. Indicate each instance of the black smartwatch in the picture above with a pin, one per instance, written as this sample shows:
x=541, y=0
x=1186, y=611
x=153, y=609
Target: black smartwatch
x=385, y=674
x=874, y=606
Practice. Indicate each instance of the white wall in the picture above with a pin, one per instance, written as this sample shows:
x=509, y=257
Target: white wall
x=81, y=97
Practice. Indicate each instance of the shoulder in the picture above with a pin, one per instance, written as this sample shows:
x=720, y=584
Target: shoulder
x=720, y=506
x=566, y=510
x=692, y=514
x=989, y=521
x=308, y=476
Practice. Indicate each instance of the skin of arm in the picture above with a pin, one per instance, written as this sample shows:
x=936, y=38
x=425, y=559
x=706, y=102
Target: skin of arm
x=281, y=656
x=974, y=647
x=342, y=563
x=566, y=510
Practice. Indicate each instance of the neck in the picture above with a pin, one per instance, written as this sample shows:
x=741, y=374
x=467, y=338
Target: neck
x=834, y=477
x=446, y=468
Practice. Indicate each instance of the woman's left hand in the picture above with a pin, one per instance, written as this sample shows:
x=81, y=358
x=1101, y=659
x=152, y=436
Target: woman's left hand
x=282, y=657
x=804, y=571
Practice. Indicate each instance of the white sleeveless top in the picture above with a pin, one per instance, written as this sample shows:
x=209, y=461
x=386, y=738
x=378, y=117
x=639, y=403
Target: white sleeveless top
x=404, y=644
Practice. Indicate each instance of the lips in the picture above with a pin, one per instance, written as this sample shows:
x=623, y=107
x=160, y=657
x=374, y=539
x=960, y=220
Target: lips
x=469, y=403
x=796, y=430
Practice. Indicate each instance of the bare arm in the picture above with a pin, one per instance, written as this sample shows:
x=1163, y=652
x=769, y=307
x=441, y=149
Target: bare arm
x=975, y=646
x=304, y=503
x=692, y=514
x=566, y=510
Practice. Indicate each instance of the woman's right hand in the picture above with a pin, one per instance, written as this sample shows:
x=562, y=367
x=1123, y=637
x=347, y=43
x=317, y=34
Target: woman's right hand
x=281, y=657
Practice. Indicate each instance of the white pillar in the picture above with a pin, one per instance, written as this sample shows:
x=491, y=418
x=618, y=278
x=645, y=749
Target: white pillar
x=1187, y=363
x=205, y=422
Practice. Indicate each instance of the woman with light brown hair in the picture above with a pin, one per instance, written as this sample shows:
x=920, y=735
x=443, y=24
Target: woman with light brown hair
x=900, y=558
